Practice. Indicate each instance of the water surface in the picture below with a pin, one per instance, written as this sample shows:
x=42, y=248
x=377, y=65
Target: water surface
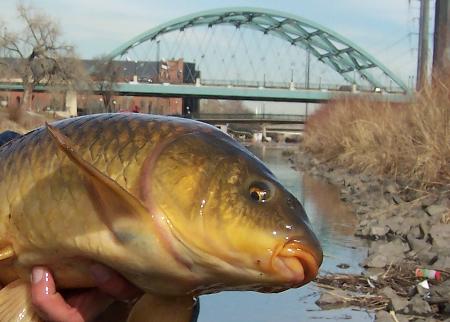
x=333, y=223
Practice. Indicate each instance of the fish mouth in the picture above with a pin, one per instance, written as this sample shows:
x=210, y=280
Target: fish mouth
x=297, y=263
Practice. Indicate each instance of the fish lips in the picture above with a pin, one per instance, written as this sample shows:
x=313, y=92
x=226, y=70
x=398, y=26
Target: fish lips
x=296, y=261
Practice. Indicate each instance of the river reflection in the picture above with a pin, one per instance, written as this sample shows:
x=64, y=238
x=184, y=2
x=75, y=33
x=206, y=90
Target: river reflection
x=334, y=225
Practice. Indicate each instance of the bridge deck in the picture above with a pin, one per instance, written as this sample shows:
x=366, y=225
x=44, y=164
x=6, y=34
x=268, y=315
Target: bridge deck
x=247, y=93
x=234, y=93
x=251, y=118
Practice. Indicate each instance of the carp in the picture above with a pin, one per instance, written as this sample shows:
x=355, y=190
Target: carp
x=175, y=206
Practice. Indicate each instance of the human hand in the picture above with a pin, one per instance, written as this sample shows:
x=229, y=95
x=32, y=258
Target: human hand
x=83, y=306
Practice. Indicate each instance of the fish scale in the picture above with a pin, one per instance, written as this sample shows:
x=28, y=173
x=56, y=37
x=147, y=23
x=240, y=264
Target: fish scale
x=35, y=161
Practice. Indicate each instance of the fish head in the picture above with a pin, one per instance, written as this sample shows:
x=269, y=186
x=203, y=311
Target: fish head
x=230, y=218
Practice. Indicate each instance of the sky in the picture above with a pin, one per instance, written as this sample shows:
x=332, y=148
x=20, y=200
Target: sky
x=385, y=28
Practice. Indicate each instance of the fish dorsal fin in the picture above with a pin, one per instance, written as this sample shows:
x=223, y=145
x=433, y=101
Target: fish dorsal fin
x=152, y=308
x=112, y=202
x=15, y=303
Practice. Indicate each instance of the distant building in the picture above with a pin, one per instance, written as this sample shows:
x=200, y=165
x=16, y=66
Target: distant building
x=171, y=71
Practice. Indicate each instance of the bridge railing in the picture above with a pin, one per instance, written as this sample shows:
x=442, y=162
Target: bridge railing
x=250, y=116
x=295, y=85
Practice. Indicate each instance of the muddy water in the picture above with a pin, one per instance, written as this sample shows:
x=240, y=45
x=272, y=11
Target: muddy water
x=333, y=223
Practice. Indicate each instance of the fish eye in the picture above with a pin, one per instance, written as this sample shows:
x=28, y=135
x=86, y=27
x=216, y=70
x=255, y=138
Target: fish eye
x=259, y=192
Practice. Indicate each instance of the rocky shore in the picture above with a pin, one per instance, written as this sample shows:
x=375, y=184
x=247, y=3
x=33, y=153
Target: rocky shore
x=409, y=229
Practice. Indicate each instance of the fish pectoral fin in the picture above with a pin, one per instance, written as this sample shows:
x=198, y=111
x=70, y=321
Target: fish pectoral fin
x=152, y=308
x=7, y=252
x=15, y=303
x=112, y=202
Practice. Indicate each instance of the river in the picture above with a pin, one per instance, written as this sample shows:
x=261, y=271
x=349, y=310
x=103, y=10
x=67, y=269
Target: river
x=333, y=223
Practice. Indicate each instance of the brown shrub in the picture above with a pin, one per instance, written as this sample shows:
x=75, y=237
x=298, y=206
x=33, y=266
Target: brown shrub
x=15, y=114
x=409, y=141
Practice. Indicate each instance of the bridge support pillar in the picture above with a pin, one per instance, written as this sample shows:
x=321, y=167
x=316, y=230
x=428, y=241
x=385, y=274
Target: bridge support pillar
x=71, y=102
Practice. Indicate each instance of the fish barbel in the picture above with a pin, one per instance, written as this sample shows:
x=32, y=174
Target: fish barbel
x=175, y=206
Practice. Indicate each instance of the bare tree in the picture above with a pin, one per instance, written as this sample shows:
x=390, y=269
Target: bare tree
x=107, y=74
x=37, y=56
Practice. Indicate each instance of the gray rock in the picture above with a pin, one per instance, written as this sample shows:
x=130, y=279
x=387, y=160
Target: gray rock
x=382, y=253
x=391, y=188
x=376, y=261
x=419, y=306
x=362, y=202
x=421, y=250
x=381, y=203
x=383, y=316
x=397, y=199
x=374, y=273
x=446, y=310
x=425, y=226
x=376, y=246
x=362, y=210
x=418, y=212
x=443, y=263
x=396, y=247
x=373, y=188
x=440, y=235
x=436, y=210
x=429, y=200
x=329, y=301
x=406, y=227
x=418, y=245
x=378, y=231
x=422, y=291
x=399, y=225
x=398, y=303
x=416, y=232
x=441, y=290
x=428, y=257
x=401, y=318
x=363, y=232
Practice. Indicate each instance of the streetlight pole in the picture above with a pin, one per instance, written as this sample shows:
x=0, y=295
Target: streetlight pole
x=422, y=59
x=158, y=67
x=307, y=71
x=441, y=59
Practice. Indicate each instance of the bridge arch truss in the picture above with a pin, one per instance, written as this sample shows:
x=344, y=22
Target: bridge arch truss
x=329, y=47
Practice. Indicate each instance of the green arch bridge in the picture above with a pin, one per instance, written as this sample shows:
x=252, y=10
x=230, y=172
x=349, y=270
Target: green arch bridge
x=332, y=49
x=328, y=47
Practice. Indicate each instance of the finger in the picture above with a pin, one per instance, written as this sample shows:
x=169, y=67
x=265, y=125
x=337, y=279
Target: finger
x=49, y=304
x=90, y=303
x=113, y=284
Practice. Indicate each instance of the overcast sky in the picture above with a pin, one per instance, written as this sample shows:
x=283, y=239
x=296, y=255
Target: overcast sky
x=385, y=28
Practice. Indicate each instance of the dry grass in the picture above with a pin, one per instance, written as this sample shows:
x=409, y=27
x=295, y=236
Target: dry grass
x=28, y=121
x=407, y=141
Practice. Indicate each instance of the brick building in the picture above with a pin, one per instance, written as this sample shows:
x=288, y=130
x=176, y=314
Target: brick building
x=172, y=71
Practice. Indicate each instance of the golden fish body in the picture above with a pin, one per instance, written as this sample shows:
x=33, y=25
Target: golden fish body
x=175, y=206
x=48, y=215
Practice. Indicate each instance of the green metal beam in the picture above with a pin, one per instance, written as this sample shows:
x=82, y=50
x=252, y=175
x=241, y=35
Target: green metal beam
x=283, y=25
x=234, y=93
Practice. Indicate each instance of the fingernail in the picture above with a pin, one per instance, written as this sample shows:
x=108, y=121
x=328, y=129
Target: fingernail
x=100, y=273
x=36, y=274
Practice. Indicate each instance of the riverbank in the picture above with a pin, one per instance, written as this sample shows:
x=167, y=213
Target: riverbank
x=409, y=228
